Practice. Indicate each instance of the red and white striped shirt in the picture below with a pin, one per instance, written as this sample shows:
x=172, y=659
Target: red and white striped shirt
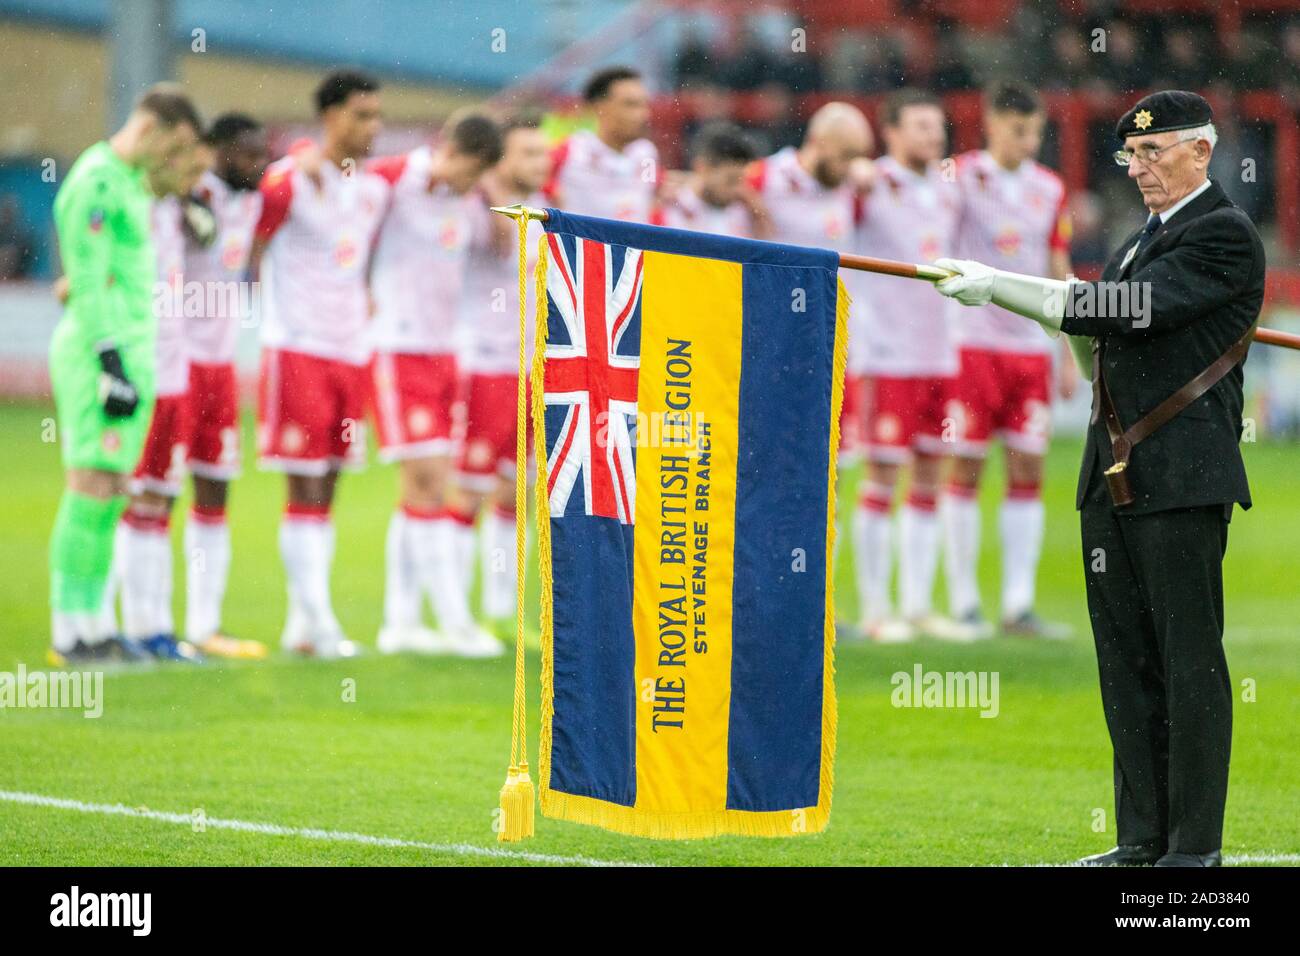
x=911, y=217
x=1011, y=220
x=313, y=274
x=418, y=272
x=591, y=178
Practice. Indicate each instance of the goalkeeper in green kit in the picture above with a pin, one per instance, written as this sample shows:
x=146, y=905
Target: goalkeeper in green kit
x=102, y=357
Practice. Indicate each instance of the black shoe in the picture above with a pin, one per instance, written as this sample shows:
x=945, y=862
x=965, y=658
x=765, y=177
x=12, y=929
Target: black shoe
x=1124, y=856
x=112, y=650
x=1213, y=858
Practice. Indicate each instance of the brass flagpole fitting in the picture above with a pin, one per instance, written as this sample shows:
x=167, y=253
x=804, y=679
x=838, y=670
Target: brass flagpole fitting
x=520, y=211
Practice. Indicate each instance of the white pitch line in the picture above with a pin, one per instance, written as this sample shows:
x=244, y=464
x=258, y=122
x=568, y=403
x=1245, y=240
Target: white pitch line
x=307, y=833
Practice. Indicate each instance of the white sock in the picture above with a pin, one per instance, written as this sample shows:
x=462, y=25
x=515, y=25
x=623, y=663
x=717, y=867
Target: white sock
x=961, y=526
x=207, y=569
x=162, y=594
x=307, y=547
x=401, y=587
x=439, y=569
x=497, y=575
x=1020, y=522
x=918, y=556
x=873, y=553
x=464, y=542
x=144, y=556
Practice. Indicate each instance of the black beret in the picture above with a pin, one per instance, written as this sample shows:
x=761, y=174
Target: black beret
x=1164, y=111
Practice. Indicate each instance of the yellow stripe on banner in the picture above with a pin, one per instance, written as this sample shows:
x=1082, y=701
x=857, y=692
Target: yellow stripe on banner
x=688, y=407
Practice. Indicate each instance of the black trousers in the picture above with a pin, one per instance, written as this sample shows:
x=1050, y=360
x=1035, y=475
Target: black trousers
x=1155, y=596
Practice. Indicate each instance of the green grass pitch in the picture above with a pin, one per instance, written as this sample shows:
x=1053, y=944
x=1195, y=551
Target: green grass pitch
x=420, y=755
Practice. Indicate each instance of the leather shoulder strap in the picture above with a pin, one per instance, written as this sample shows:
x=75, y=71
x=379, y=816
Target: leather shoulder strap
x=1122, y=441
x=1202, y=383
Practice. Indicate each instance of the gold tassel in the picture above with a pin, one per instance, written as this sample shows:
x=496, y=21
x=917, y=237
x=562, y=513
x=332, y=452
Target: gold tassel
x=517, y=804
x=517, y=801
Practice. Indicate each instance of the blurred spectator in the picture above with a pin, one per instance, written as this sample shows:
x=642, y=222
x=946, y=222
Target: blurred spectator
x=1124, y=66
x=1184, y=64
x=775, y=121
x=1069, y=66
x=799, y=70
x=752, y=65
x=705, y=102
x=951, y=71
x=17, y=249
x=1247, y=62
x=693, y=60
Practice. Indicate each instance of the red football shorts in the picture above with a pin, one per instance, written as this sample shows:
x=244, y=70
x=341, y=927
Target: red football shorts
x=414, y=398
x=214, y=421
x=1007, y=394
x=906, y=414
x=310, y=413
x=488, y=451
x=162, y=463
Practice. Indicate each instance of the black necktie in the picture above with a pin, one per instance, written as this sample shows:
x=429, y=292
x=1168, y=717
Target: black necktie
x=1149, y=230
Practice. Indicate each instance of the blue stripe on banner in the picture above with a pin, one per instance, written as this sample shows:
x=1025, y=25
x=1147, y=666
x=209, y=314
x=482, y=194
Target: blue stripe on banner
x=593, y=733
x=778, y=614
x=684, y=242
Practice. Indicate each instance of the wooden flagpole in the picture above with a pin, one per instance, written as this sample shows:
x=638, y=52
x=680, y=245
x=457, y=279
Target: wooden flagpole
x=908, y=270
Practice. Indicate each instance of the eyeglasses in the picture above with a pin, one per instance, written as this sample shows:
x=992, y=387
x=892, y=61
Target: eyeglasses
x=1147, y=154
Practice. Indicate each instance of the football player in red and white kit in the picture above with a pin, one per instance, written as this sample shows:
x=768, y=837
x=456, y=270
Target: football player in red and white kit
x=218, y=270
x=486, y=471
x=612, y=173
x=713, y=196
x=311, y=252
x=416, y=281
x=1013, y=217
x=142, y=551
x=910, y=214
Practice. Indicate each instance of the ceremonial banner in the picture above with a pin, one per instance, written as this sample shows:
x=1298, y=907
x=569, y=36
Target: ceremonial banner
x=686, y=407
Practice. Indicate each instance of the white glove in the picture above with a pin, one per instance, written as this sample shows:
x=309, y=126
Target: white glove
x=1042, y=300
x=973, y=283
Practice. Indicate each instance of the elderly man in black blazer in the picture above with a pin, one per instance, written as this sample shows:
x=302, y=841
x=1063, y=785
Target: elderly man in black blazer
x=1163, y=336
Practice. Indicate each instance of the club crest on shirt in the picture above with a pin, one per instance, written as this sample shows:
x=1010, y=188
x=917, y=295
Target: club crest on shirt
x=1007, y=241
x=345, y=252
x=232, y=254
